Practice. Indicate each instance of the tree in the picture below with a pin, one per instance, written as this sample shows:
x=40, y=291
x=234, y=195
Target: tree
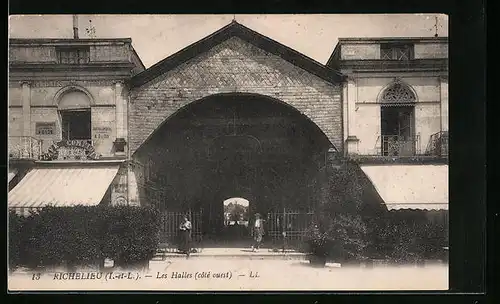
x=344, y=204
x=238, y=212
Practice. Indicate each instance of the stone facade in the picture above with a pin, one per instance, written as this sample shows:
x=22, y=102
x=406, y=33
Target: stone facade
x=424, y=72
x=39, y=81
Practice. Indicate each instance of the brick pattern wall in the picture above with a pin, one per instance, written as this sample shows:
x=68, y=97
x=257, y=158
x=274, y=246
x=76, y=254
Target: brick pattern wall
x=230, y=67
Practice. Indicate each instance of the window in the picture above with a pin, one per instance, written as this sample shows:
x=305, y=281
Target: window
x=397, y=121
x=45, y=128
x=76, y=124
x=396, y=52
x=73, y=55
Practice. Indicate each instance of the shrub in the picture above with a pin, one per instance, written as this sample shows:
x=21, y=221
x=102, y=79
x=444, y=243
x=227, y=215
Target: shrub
x=408, y=236
x=133, y=234
x=15, y=227
x=343, y=209
x=341, y=238
x=83, y=235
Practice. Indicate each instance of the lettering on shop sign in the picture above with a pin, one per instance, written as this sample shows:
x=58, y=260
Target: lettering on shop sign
x=71, y=150
x=101, y=132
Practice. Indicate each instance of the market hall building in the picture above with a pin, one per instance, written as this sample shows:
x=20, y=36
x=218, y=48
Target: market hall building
x=235, y=114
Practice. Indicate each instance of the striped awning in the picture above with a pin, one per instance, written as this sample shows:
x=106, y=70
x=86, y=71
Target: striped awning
x=66, y=186
x=12, y=174
x=423, y=187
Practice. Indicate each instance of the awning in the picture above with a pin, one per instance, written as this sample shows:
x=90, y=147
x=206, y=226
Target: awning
x=12, y=174
x=66, y=186
x=422, y=187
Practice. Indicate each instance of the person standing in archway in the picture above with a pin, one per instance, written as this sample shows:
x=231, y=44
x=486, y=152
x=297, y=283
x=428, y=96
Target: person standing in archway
x=185, y=229
x=258, y=232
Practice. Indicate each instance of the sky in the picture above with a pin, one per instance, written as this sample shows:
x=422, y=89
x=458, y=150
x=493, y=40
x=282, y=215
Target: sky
x=155, y=37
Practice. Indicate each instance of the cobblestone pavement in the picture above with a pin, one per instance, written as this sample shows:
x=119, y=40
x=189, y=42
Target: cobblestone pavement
x=237, y=275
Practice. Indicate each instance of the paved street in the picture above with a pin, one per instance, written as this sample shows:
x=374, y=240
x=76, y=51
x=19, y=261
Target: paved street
x=234, y=274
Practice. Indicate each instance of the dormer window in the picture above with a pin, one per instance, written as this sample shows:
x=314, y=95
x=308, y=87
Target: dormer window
x=80, y=55
x=391, y=51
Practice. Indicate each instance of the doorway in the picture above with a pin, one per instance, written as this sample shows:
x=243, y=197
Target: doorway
x=397, y=130
x=236, y=220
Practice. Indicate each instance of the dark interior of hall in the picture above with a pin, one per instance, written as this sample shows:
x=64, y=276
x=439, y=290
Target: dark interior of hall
x=226, y=146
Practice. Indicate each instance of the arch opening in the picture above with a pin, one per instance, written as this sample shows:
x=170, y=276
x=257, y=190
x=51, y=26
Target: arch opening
x=233, y=146
x=74, y=109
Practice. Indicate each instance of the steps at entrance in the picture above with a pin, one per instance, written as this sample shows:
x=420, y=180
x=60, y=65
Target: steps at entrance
x=234, y=253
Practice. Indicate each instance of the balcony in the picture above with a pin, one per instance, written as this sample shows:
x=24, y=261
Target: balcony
x=24, y=147
x=438, y=144
x=406, y=150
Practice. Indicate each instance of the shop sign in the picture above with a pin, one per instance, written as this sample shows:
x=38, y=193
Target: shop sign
x=71, y=150
x=101, y=132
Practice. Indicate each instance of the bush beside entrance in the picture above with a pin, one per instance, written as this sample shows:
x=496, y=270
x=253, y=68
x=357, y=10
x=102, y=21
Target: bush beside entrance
x=352, y=225
x=83, y=236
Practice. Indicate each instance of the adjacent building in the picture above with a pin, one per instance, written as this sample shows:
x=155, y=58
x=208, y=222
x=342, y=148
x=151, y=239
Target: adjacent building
x=395, y=116
x=68, y=120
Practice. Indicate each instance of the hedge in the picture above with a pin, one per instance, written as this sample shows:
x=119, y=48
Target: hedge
x=83, y=236
x=408, y=236
x=352, y=216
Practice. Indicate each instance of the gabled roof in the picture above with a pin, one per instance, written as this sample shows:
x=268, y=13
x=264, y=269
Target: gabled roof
x=234, y=29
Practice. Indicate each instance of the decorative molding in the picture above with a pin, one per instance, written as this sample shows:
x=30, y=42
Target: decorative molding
x=43, y=83
x=397, y=92
x=25, y=82
x=379, y=103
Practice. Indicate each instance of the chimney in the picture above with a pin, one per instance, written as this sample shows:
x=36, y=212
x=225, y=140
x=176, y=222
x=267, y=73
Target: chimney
x=75, y=26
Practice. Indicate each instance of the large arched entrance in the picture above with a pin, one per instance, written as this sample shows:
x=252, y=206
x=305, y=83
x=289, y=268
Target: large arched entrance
x=233, y=145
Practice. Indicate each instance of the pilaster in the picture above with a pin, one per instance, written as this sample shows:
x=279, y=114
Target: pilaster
x=26, y=103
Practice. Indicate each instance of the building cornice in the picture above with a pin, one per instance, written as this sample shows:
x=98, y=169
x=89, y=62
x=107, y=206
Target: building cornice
x=30, y=42
x=394, y=65
x=54, y=66
x=369, y=40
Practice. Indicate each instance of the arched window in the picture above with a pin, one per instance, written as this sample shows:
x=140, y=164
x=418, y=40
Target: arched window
x=398, y=94
x=74, y=111
x=397, y=120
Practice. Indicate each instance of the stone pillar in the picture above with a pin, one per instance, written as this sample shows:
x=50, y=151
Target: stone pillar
x=125, y=113
x=26, y=102
x=444, y=103
x=120, y=111
x=352, y=140
x=133, y=197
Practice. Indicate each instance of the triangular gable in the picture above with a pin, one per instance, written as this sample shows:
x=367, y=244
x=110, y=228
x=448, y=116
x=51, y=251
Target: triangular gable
x=235, y=29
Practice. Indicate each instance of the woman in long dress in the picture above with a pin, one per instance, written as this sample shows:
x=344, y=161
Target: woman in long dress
x=185, y=229
x=258, y=232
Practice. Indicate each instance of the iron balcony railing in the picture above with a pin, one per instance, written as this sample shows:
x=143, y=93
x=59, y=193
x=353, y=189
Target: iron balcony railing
x=24, y=147
x=398, y=145
x=438, y=144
